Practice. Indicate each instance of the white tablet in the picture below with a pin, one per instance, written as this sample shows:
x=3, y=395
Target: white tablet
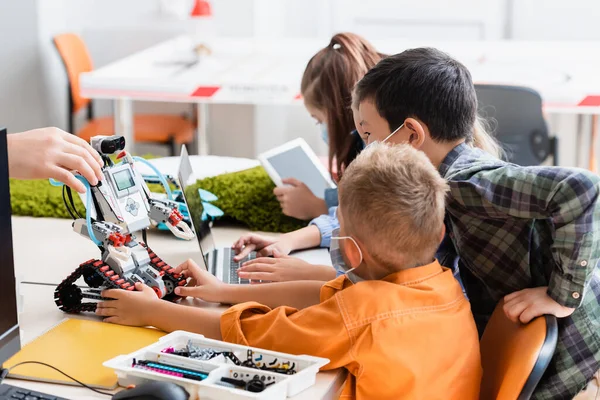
x=296, y=159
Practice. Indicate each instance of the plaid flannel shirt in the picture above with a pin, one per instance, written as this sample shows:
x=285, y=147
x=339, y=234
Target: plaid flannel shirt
x=520, y=227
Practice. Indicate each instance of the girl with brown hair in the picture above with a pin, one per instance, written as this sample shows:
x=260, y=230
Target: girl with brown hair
x=326, y=89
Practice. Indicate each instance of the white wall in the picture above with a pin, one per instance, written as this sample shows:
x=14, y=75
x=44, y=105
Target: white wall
x=424, y=19
x=21, y=102
x=556, y=20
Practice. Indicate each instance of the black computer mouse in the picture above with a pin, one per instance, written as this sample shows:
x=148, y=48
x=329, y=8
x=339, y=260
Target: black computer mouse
x=154, y=390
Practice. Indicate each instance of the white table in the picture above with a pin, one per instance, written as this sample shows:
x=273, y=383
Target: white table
x=244, y=71
x=47, y=250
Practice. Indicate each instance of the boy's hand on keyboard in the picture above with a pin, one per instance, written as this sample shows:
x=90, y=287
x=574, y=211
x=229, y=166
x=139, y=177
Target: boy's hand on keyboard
x=202, y=284
x=283, y=268
x=263, y=245
x=527, y=304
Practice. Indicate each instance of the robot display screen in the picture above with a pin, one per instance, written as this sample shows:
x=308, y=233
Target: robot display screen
x=124, y=180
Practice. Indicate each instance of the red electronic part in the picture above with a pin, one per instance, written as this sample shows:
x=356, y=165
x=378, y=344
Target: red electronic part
x=176, y=217
x=157, y=291
x=117, y=239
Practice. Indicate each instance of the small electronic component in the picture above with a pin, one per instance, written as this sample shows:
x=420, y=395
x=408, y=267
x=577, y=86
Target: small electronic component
x=168, y=369
x=255, y=385
x=200, y=353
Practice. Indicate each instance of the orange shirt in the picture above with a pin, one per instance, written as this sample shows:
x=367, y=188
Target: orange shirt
x=410, y=335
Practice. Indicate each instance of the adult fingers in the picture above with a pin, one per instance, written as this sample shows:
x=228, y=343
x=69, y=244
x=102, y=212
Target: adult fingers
x=89, y=159
x=97, y=163
x=74, y=162
x=66, y=177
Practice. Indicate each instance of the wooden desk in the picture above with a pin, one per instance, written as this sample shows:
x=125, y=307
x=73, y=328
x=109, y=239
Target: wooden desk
x=47, y=250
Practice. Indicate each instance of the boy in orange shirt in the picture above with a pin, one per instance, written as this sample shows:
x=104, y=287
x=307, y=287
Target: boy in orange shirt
x=396, y=320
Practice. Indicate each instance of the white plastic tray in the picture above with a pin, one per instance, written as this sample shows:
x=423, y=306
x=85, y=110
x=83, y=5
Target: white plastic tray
x=285, y=385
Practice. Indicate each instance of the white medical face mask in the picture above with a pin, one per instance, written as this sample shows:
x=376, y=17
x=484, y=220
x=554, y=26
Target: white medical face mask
x=388, y=136
x=337, y=258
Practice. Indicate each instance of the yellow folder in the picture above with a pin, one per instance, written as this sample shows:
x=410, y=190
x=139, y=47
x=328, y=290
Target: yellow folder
x=79, y=347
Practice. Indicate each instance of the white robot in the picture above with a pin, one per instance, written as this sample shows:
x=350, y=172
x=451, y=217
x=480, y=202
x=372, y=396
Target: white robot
x=118, y=206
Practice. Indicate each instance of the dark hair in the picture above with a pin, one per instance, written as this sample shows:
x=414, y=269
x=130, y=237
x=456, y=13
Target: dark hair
x=327, y=84
x=423, y=83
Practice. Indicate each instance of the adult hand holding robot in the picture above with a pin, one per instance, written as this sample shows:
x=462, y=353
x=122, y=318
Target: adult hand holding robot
x=53, y=153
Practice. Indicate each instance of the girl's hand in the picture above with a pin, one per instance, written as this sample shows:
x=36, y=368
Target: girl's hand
x=298, y=201
x=263, y=245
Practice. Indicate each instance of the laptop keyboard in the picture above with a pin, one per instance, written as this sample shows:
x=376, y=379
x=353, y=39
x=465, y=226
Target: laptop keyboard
x=8, y=392
x=235, y=265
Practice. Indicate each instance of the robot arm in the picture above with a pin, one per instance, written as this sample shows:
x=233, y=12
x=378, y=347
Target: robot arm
x=111, y=236
x=166, y=211
x=161, y=211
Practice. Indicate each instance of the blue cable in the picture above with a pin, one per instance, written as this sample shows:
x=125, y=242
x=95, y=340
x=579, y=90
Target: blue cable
x=158, y=173
x=88, y=205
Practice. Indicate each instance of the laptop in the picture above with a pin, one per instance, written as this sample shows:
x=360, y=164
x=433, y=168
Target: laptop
x=218, y=262
x=10, y=342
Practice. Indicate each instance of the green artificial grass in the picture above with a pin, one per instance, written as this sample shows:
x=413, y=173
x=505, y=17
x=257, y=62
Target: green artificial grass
x=245, y=196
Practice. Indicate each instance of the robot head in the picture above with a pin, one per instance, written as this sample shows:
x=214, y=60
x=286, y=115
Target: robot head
x=108, y=144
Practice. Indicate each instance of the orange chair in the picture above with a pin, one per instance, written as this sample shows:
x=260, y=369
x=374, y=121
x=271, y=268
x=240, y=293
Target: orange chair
x=170, y=130
x=514, y=356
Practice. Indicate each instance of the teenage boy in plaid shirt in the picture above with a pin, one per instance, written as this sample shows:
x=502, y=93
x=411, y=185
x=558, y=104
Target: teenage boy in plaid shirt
x=530, y=235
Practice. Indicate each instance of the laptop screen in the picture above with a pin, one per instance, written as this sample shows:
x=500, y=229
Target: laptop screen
x=194, y=205
x=9, y=328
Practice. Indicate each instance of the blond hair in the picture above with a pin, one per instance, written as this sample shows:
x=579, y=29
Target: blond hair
x=392, y=199
x=483, y=139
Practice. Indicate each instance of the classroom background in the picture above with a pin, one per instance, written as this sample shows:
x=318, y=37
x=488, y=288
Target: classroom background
x=33, y=91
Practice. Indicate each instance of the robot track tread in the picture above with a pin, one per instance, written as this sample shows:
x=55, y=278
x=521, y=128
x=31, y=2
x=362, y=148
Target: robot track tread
x=68, y=296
